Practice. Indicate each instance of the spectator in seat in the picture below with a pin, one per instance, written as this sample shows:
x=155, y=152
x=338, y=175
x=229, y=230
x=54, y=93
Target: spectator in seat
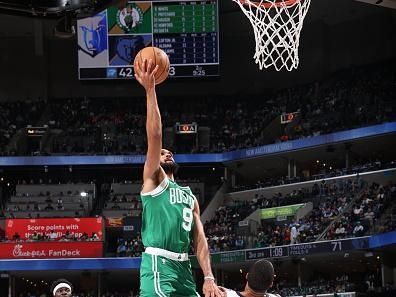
x=369, y=216
x=48, y=207
x=357, y=211
x=52, y=236
x=35, y=236
x=115, y=206
x=94, y=236
x=122, y=248
x=286, y=235
x=16, y=236
x=340, y=231
x=294, y=234
x=239, y=243
x=84, y=237
x=358, y=230
x=69, y=236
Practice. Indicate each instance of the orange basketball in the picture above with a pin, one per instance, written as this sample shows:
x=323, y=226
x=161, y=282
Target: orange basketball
x=159, y=58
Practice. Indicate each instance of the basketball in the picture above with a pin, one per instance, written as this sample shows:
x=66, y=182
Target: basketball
x=159, y=58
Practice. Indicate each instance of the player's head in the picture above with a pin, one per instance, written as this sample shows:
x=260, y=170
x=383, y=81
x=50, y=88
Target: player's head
x=167, y=162
x=61, y=288
x=261, y=276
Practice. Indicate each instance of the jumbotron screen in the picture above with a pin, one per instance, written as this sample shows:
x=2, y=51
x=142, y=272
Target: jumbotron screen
x=186, y=30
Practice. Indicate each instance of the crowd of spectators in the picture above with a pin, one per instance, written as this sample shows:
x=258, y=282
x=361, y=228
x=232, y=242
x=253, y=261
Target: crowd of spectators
x=111, y=293
x=322, y=172
x=306, y=229
x=330, y=199
x=130, y=247
x=98, y=126
x=51, y=236
x=353, y=98
x=368, y=284
x=118, y=201
x=366, y=210
x=15, y=116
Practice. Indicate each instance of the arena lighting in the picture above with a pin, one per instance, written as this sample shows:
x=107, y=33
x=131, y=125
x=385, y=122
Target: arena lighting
x=56, y=8
x=83, y=194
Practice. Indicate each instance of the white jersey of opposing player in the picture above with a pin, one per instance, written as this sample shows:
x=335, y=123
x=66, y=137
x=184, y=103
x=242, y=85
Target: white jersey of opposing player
x=231, y=293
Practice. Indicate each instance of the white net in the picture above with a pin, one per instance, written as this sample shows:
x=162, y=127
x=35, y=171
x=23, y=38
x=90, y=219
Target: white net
x=277, y=26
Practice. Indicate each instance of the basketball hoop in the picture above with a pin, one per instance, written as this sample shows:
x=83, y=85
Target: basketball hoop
x=277, y=26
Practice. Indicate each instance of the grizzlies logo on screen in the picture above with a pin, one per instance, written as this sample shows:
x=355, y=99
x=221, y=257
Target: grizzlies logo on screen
x=130, y=18
x=127, y=48
x=94, y=35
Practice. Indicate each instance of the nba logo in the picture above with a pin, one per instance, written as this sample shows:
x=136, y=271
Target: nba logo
x=111, y=73
x=94, y=35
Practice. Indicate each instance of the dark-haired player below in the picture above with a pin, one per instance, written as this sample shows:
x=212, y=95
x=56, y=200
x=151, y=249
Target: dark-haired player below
x=171, y=215
x=61, y=288
x=259, y=279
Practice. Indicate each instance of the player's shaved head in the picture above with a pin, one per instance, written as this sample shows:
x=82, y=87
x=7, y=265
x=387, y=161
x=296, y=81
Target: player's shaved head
x=261, y=276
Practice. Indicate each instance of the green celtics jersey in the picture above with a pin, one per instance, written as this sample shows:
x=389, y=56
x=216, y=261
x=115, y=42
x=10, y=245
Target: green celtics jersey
x=167, y=219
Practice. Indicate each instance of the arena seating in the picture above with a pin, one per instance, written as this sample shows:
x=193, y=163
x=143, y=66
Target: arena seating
x=322, y=173
x=50, y=200
x=15, y=116
x=97, y=126
x=333, y=213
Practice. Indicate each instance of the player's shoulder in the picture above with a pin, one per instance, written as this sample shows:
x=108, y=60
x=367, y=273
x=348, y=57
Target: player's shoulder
x=273, y=295
x=163, y=185
x=231, y=293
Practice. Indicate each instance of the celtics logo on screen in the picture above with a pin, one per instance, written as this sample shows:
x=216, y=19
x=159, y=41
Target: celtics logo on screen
x=129, y=18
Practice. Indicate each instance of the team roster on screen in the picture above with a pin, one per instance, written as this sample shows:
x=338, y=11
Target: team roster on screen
x=186, y=30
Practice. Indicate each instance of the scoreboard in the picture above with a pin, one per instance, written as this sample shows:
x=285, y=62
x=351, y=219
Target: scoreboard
x=308, y=249
x=186, y=30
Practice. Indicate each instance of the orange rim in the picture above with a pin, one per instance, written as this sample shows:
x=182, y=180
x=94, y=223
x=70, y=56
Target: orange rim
x=286, y=3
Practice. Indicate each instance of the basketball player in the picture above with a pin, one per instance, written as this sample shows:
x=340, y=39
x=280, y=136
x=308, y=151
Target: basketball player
x=61, y=288
x=259, y=280
x=171, y=215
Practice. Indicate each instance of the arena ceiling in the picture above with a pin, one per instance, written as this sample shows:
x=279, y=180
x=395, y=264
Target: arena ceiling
x=383, y=3
x=330, y=12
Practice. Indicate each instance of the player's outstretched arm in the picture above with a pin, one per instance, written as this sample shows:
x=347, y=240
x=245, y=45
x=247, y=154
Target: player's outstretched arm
x=210, y=288
x=145, y=75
